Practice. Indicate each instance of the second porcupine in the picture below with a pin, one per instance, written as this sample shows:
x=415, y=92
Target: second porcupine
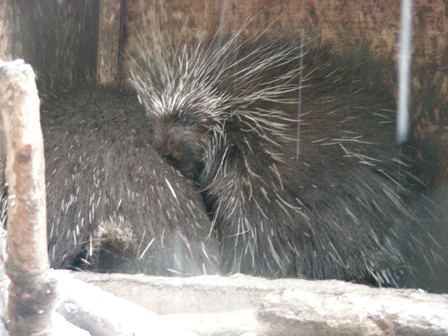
x=330, y=198
x=112, y=201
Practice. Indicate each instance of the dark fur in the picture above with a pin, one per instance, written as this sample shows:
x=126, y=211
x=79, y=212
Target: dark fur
x=109, y=195
x=343, y=210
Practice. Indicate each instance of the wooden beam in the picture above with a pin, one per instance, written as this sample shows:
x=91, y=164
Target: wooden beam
x=108, y=42
x=244, y=305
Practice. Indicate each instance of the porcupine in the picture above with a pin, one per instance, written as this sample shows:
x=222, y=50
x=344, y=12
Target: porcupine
x=326, y=197
x=113, y=204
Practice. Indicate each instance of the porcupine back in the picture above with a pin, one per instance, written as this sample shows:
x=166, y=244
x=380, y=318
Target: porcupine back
x=338, y=206
x=111, y=199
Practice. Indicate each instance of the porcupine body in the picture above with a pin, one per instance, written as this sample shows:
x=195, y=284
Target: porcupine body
x=326, y=197
x=111, y=200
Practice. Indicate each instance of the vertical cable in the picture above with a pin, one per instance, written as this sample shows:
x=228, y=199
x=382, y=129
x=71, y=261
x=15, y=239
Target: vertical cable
x=404, y=74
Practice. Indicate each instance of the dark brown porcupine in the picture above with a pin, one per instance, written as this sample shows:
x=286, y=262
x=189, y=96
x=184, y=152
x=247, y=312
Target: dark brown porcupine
x=326, y=197
x=112, y=201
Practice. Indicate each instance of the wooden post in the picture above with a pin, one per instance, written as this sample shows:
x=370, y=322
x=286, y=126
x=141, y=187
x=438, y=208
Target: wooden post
x=31, y=292
x=108, y=42
x=5, y=31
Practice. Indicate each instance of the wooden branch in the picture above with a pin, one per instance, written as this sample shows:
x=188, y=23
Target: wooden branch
x=102, y=313
x=341, y=309
x=31, y=292
x=108, y=42
x=237, y=305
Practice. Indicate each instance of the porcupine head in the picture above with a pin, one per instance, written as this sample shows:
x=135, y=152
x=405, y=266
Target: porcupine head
x=219, y=114
x=199, y=95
